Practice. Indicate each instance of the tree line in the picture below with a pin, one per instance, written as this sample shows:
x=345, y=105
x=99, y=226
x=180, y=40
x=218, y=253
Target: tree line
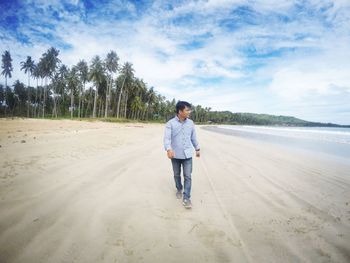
x=103, y=88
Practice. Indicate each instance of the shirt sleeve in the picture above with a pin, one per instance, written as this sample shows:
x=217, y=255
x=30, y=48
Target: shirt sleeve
x=194, y=138
x=167, y=136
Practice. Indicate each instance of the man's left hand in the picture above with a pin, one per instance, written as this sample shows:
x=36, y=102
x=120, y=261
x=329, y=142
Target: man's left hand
x=198, y=153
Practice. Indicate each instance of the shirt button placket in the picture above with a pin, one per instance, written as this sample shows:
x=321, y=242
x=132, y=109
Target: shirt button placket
x=183, y=135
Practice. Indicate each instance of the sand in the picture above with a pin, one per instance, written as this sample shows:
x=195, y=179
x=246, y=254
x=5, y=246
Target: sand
x=76, y=191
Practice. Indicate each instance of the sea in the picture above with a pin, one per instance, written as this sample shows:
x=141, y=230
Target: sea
x=329, y=141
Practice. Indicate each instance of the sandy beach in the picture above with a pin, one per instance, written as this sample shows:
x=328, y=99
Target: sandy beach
x=75, y=191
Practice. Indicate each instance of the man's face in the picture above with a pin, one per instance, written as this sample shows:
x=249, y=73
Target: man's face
x=185, y=113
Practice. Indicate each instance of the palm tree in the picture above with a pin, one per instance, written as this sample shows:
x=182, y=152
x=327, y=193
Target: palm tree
x=36, y=75
x=138, y=92
x=28, y=66
x=128, y=75
x=96, y=75
x=83, y=72
x=59, y=81
x=19, y=96
x=73, y=82
x=62, y=79
x=136, y=106
x=53, y=63
x=143, y=96
x=41, y=72
x=111, y=64
x=50, y=62
x=151, y=96
x=7, y=69
x=134, y=98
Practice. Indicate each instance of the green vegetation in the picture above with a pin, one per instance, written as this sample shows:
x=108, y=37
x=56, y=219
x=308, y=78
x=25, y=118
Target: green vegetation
x=227, y=117
x=104, y=90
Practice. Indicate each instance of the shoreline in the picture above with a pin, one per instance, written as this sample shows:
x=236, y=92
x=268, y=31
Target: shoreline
x=323, y=149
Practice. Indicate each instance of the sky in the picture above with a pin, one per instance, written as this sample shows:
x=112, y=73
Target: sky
x=262, y=56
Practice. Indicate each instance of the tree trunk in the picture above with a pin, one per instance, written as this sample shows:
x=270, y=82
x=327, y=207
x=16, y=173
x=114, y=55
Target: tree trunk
x=5, y=95
x=36, y=98
x=115, y=104
x=145, y=110
x=126, y=103
x=71, y=102
x=54, y=111
x=40, y=97
x=95, y=100
x=82, y=109
x=63, y=102
x=107, y=98
x=28, y=96
x=110, y=95
x=44, y=97
x=99, y=108
x=88, y=105
x=121, y=90
x=79, y=101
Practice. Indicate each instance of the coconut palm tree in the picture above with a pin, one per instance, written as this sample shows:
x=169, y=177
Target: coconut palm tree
x=136, y=106
x=41, y=72
x=50, y=62
x=138, y=89
x=20, y=97
x=142, y=93
x=62, y=75
x=53, y=63
x=28, y=66
x=96, y=75
x=6, y=71
x=134, y=98
x=128, y=74
x=151, y=98
x=73, y=83
x=36, y=75
x=111, y=64
x=83, y=73
x=59, y=83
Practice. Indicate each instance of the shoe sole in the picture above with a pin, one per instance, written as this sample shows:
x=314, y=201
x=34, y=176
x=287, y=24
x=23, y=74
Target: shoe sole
x=187, y=207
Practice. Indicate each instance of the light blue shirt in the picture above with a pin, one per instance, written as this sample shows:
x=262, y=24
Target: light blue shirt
x=180, y=136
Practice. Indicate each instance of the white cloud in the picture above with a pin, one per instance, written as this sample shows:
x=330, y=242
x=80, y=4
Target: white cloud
x=296, y=84
x=318, y=67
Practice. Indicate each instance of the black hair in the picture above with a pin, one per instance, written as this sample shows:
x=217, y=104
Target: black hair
x=180, y=105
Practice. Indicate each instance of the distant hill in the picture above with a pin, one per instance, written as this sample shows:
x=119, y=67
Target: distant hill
x=245, y=118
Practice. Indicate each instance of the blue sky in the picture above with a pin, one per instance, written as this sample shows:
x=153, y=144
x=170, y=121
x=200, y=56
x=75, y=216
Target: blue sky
x=264, y=56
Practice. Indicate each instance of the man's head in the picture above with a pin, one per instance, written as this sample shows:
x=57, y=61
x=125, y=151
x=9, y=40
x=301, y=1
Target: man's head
x=183, y=109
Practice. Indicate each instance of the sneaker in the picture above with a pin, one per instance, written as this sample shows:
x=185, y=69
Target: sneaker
x=179, y=194
x=187, y=203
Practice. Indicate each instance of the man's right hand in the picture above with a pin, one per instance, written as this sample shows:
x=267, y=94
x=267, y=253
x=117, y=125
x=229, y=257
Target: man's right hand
x=170, y=153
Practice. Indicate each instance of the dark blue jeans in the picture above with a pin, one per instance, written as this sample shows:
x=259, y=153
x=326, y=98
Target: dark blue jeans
x=187, y=171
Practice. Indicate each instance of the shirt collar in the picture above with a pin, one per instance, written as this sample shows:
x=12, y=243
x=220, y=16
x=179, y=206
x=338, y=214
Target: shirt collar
x=179, y=118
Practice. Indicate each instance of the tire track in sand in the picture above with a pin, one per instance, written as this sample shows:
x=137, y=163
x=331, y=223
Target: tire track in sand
x=234, y=231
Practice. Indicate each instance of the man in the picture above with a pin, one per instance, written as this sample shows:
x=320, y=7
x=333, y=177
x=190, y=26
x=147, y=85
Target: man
x=179, y=139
